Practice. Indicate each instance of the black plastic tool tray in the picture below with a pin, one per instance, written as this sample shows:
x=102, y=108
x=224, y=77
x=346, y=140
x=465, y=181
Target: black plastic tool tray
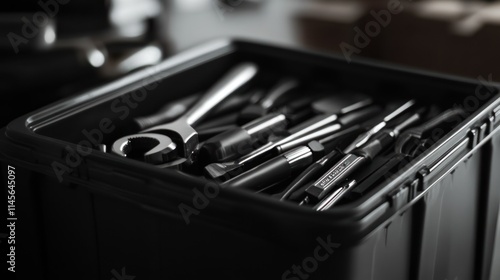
x=435, y=220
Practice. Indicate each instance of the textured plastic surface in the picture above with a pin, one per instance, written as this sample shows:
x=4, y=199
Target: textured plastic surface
x=432, y=220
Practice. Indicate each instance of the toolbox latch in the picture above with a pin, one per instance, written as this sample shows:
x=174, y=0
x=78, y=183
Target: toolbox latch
x=399, y=197
x=496, y=116
x=418, y=184
x=480, y=133
x=421, y=175
x=474, y=137
x=413, y=189
x=483, y=132
x=491, y=124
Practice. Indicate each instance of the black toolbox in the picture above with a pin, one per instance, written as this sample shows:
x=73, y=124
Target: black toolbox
x=107, y=217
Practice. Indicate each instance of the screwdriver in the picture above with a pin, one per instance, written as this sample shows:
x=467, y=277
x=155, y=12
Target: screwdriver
x=316, y=168
x=220, y=170
x=357, y=159
x=240, y=140
x=363, y=138
x=335, y=196
x=401, y=157
x=277, y=169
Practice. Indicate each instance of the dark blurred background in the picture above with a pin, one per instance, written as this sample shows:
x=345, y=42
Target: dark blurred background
x=53, y=49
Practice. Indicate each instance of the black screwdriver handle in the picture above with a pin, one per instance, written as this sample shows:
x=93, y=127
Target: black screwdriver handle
x=312, y=172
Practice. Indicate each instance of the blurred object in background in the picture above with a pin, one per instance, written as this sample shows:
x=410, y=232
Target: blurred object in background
x=83, y=43
x=52, y=50
x=191, y=22
x=438, y=36
x=450, y=36
x=326, y=24
x=40, y=38
x=89, y=16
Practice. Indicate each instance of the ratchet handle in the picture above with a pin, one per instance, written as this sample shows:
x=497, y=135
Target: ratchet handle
x=229, y=84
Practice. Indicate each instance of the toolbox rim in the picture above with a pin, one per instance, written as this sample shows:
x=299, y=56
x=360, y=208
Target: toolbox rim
x=363, y=216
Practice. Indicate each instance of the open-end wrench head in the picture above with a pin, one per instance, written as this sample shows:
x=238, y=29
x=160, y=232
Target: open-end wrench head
x=179, y=132
x=163, y=139
x=148, y=147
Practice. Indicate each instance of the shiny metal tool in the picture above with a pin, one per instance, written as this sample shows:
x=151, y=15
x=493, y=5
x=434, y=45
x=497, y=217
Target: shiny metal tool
x=176, y=108
x=416, y=139
x=314, y=171
x=357, y=158
x=363, y=138
x=239, y=141
x=277, y=169
x=314, y=132
x=335, y=196
x=269, y=101
x=162, y=143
